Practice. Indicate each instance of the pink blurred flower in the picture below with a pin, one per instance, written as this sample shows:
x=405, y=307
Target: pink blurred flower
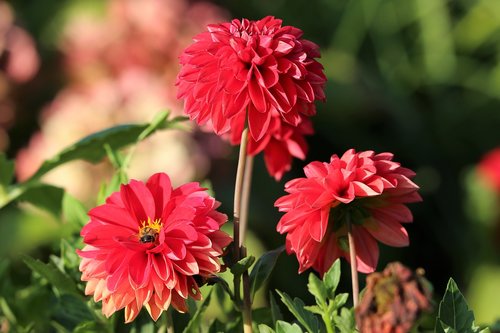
x=370, y=189
x=489, y=169
x=257, y=66
x=146, y=245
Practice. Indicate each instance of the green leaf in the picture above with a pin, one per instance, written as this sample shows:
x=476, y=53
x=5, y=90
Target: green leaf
x=314, y=309
x=265, y=329
x=6, y=170
x=284, y=327
x=242, y=265
x=345, y=322
x=45, y=196
x=317, y=289
x=454, y=313
x=92, y=147
x=194, y=322
x=331, y=279
x=60, y=280
x=275, y=309
x=88, y=327
x=263, y=268
x=296, y=307
x=113, y=186
x=73, y=211
x=340, y=300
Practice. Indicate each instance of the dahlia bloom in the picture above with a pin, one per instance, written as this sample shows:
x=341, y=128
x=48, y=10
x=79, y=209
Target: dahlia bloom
x=147, y=245
x=393, y=300
x=257, y=66
x=489, y=169
x=367, y=189
x=280, y=143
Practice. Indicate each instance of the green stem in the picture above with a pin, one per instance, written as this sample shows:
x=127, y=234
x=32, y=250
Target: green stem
x=328, y=322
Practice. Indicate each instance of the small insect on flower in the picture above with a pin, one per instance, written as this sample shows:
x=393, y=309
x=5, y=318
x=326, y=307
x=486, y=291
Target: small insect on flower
x=149, y=245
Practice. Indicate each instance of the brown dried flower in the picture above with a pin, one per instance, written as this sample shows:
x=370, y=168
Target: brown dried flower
x=393, y=300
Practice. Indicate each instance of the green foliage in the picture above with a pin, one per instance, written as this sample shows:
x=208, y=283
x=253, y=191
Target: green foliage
x=195, y=321
x=454, y=314
x=263, y=268
x=242, y=265
x=59, y=279
x=328, y=305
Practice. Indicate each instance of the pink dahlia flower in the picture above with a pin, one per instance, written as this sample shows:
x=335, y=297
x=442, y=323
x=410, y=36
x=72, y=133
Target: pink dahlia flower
x=147, y=245
x=368, y=189
x=256, y=66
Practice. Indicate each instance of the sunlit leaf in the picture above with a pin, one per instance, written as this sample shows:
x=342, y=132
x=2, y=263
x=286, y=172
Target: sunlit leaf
x=331, y=278
x=284, y=327
x=296, y=307
x=317, y=289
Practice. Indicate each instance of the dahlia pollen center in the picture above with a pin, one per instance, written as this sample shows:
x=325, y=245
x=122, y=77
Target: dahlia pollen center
x=149, y=230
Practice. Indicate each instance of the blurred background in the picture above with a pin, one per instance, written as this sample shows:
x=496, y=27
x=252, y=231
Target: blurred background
x=419, y=78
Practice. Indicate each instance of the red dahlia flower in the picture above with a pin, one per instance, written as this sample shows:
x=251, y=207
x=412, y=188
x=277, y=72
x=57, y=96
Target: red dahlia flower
x=367, y=189
x=489, y=169
x=256, y=66
x=146, y=245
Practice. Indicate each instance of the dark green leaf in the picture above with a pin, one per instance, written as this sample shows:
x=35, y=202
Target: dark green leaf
x=74, y=212
x=284, y=327
x=331, y=278
x=317, y=289
x=262, y=316
x=242, y=266
x=263, y=268
x=296, y=307
x=194, y=322
x=92, y=147
x=45, y=196
x=60, y=280
x=275, y=309
x=6, y=171
x=454, y=312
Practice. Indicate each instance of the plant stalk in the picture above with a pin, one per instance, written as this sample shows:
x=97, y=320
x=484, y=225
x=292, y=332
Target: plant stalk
x=241, y=197
x=245, y=198
x=354, y=265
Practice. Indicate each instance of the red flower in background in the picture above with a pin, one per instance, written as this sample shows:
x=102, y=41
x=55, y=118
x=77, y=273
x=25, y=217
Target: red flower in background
x=280, y=143
x=257, y=66
x=370, y=189
x=147, y=243
x=489, y=169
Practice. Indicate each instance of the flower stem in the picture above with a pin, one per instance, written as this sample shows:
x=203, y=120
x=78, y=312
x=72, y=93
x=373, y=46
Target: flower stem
x=354, y=266
x=167, y=324
x=328, y=323
x=245, y=198
x=242, y=191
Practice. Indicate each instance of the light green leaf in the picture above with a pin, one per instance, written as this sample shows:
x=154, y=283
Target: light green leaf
x=60, y=280
x=194, y=323
x=345, y=322
x=331, y=279
x=296, y=307
x=74, y=212
x=340, y=300
x=454, y=313
x=314, y=309
x=284, y=327
x=242, y=265
x=265, y=329
x=317, y=289
x=263, y=268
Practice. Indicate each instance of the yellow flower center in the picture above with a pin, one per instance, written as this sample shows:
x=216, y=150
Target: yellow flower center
x=149, y=230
